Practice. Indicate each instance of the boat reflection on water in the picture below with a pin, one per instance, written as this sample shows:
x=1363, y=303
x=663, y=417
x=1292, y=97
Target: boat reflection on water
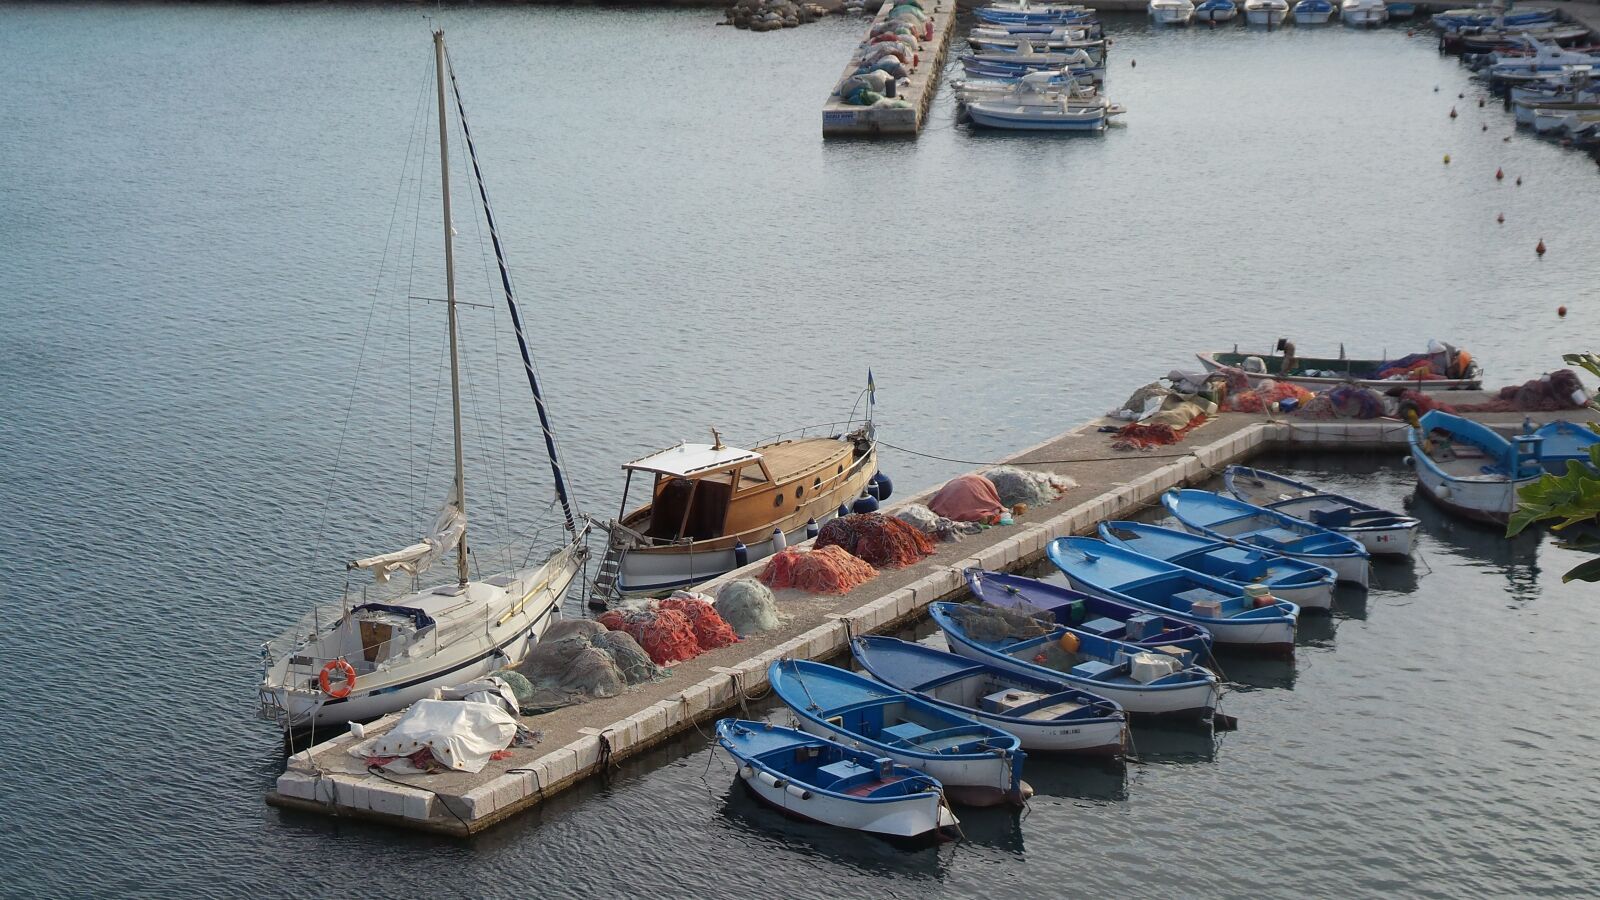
x=866, y=853
x=1477, y=545
x=1171, y=744
x=1253, y=671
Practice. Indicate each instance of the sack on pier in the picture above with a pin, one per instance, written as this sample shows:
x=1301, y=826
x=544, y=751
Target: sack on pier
x=882, y=541
x=748, y=606
x=968, y=498
x=1016, y=485
x=934, y=525
x=666, y=634
x=1348, y=401
x=828, y=570
x=635, y=665
x=1557, y=390
x=894, y=67
x=864, y=98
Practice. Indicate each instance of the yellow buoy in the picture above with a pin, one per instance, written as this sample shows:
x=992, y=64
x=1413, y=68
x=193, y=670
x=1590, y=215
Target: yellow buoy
x=1068, y=642
x=1447, y=159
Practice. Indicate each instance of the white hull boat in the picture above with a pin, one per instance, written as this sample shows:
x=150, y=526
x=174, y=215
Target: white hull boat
x=1216, y=11
x=1363, y=13
x=1469, y=469
x=1171, y=12
x=1380, y=531
x=1313, y=12
x=1270, y=13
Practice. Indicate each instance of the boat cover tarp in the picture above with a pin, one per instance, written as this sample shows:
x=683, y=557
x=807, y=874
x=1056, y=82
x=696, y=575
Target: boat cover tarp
x=462, y=736
x=968, y=498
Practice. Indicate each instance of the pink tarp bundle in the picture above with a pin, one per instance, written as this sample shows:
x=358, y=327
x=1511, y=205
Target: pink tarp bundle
x=968, y=498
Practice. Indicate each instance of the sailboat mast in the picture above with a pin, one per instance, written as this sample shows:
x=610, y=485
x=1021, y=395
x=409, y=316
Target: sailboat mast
x=450, y=302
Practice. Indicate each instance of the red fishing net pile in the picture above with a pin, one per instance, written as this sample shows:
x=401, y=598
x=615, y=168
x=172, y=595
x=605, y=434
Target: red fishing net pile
x=825, y=570
x=1143, y=437
x=883, y=541
x=1558, y=390
x=1263, y=395
x=710, y=629
x=666, y=635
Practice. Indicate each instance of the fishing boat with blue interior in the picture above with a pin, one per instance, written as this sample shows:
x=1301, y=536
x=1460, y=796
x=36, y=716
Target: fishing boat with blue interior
x=1313, y=12
x=1228, y=519
x=1469, y=469
x=1103, y=617
x=977, y=764
x=1301, y=583
x=1381, y=531
x=1215, y=11
x=1564, y=442
x=1259, y=623
x=995, y=15
x=809, y=778
x=1044, y=713
x=1401, y=10
x=1162, y=681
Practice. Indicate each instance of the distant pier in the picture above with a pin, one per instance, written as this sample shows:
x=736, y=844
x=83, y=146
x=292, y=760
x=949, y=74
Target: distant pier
x=841, y=119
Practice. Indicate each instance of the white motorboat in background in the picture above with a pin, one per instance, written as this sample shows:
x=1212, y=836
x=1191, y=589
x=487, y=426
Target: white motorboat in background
x=1270, y=13
x=1172, y=12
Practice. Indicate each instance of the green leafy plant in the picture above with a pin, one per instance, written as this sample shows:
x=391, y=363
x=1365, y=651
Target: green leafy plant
x=1572, y=498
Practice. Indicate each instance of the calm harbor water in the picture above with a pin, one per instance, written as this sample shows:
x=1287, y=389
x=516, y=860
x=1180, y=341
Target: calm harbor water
x=198, y=203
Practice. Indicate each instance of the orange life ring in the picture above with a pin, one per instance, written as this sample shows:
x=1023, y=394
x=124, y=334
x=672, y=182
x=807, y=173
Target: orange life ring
x=327, y=681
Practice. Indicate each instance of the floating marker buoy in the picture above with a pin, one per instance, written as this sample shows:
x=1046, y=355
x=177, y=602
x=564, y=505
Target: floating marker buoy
x=1436, y=89
x=1519, y=181
x=1411, y=32
x=1133, y=64
x=1539, y=249
x=1486, y=126
x=1480, y=103
x=1461, y=96
x=1506, y=139
x=1499, y=174
x=1452, y=112
x=1561, y=312
x=1447, y=159
x=1501, y=218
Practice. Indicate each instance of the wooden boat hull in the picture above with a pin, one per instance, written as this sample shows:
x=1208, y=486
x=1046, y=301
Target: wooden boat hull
x=1314, y=383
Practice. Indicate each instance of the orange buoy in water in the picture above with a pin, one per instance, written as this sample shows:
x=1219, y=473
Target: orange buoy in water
x=1499, y=174
x=1539, y=249
x=1068, y=642
x=1561, y=311
x=1452, y=112
x=1501, y=218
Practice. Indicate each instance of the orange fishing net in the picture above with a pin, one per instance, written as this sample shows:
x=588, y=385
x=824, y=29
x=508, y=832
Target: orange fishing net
x=884, y=542
x=1265, y=394
x=666, y=634
x=710, y=629
x=1143, y=437
x=825, y=570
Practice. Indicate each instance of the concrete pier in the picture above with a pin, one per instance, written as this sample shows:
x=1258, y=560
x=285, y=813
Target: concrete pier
x=584, y=740
x=840, y=119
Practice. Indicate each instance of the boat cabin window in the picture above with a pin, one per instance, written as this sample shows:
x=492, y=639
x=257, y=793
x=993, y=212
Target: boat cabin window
x=751, y=477
x=689, y=509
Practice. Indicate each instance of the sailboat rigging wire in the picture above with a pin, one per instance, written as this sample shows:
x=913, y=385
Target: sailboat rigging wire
x=511, y=305
x=388, y=239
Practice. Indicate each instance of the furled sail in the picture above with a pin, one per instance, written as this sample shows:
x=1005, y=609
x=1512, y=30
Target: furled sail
x=448, y=528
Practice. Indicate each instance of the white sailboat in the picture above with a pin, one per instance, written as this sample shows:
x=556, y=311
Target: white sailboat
x=359, y=659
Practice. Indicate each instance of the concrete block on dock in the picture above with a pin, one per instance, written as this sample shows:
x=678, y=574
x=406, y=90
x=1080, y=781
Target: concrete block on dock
x=395, y=800
x=585, y=752
x=478, y=802
x=303, y=786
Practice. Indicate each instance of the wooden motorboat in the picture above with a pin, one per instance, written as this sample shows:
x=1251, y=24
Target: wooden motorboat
x=1453, y=370
x=1378, y=530
x=714, y=507
x=810, y=778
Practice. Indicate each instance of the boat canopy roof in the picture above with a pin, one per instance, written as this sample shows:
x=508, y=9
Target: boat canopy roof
x=688, y=460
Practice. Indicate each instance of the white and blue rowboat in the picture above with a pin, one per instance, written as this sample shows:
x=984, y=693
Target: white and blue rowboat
x=1381, y=531
x=1057, y=115
x=977, y=764
x=1218, y=606
x=1100, y=616
x=1044, y=713
x=1171, y=12
x=1565, y=442
x=1090, y=30
x=1215, y=11
x=1168, y=682
x=1476, y=17
x=1313, y=12
x=1304, y=584
x=808, y=778
x=1228, y=519
x=1039, y=44
x=1469, y=469
x=1009, y=72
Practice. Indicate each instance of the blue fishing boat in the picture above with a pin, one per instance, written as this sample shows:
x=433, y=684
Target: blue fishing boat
x=1218, y=606
x=1563, y=442
x=1230, y=519
x=1381, y=531
x=1313, y=12
x=1401, y=10
x=1304, y=584
x=820, y=781
x=1215, y=11
x=1100, y=616
x=1469, y=469
x=977, y=764
x=1044, y=713
x=1145, y=681
x=1033, y=17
